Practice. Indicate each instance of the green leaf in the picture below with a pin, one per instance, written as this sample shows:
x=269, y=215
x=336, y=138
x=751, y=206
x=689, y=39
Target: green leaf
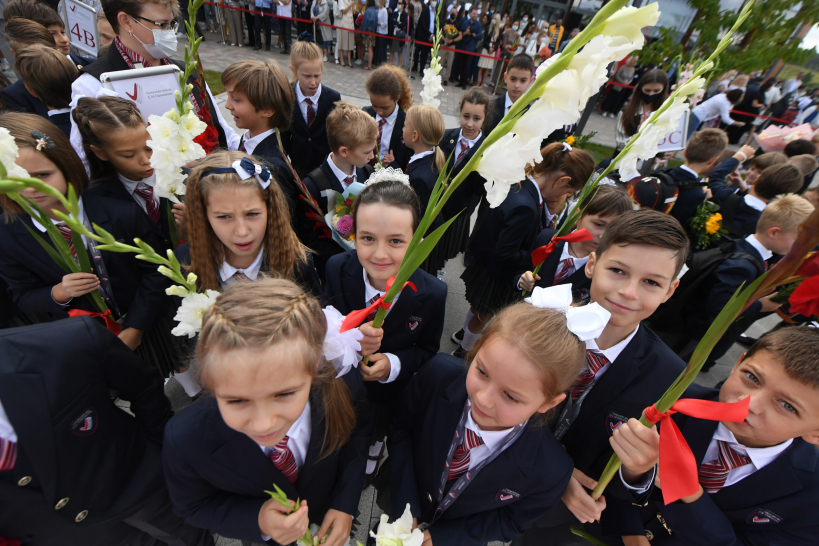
x=173, y=228
x=53, y=254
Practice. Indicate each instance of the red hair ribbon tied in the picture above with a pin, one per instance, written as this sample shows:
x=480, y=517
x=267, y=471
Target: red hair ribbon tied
x=540, y=254
x=110, y=323
x=678, y=468
x=356, y=318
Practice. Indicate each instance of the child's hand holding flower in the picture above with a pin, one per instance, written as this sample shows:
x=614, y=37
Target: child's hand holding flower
x=578, y=500
x=378, y=369
x=275, y=522
x=372, y=338
x=338, y=524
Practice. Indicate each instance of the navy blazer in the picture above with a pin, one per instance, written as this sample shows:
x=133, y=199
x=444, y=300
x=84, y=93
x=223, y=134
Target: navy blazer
x=217, y=476
x=62, y=121
x=423, y=176
x=306, y=146
x=31, y=274
x=73, y=442
x=745, y=216
x=508, y=494
x=114, y=189
x=473, y=184
x=17, y=98
x=729, y=275
x=774, y=505
x=688, y=199
x=268, y=151
x=581, y=284
x=497, y=109
x=400, y=151
x=413, y=327
x=502, y=242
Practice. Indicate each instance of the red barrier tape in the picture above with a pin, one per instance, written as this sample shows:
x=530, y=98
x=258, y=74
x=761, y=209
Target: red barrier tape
x=387, y=36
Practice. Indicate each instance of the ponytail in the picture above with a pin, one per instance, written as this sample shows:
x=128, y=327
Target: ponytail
x=429, y=124
x=573, y=162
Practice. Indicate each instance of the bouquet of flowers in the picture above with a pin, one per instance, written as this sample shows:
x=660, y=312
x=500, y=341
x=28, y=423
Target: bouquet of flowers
x=339, y=218
x=450, y=32
x=775, y=138
x=707, y=225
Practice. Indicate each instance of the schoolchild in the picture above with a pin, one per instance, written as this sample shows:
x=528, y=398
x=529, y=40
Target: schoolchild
x=276, y=414
x=22, y=33
x=518, y=76
x=47, y=75
x=306, y=140
x=390, y=98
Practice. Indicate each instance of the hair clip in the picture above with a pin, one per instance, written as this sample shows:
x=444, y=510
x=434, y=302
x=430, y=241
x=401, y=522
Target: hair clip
x=245, y=168
x=386, y=174
x=586, y=322
x=567, y=147
x=43, y=141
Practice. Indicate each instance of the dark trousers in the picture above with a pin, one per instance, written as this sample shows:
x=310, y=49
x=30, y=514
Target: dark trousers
x=420, y=60
x=284, y=27
x=380, y=50
x=262, y=20
x=465, y=67
x=250, y=20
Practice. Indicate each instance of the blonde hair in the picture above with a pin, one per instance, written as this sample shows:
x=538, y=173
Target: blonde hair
x=543, y=338
x=267, y=312
x=785, y=212
x=428, y=122
x=283, y=251
x=266, y=87
x=46, y=72
x=806, y=163
x=350, y=126
x=303, y=52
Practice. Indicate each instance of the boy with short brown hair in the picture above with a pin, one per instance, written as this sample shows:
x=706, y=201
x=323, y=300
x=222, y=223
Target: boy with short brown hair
x=48, y=75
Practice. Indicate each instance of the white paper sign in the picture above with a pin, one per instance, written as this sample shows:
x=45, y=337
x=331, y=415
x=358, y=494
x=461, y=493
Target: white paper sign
x=81, y=26
x=153, y=93
x=675, y=140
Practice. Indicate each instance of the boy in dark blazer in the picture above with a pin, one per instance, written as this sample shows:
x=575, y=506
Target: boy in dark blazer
x=85, y=472
x=307, y=145
x=768, y=493
x=518, y=76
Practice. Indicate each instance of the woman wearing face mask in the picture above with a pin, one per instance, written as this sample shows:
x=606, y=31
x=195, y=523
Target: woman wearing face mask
x=651, y=92
x=146, y=36
x=401, y=29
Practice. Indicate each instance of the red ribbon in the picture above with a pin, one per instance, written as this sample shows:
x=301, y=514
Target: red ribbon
x=678, y=468
x=354, y=319
x=805, y=299
x=540, y=254
x=110, y=323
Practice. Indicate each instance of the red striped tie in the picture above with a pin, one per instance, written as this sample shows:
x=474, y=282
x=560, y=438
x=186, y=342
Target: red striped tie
x=311, y=114
x=147, y=192
x=594, y=363
x=284, y=460
x=242, y=145
x=551, y=223
x=371, y=316
x=381, y=123
x=8, y=454
x=464, y=149
x=567, y=268
x=714, y=473
x=65, y=231
x=460, y=459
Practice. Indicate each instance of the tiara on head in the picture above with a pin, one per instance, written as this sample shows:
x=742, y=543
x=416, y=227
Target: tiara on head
x=386, y=174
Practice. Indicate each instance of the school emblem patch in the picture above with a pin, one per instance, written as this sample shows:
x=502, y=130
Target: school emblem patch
x=506, y=495
x=413, y=323
x=85, y=424
x=763, y=516
x=614, y=420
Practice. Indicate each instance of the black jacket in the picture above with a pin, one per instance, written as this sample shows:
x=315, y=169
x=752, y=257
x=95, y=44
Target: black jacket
x=473, y=185
x=17, y=98
x=399, y=149
x=422, y=179
x=581, y=284
x=308, y=147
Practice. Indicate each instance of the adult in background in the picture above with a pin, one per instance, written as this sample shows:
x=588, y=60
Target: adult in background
x=305, y=10
x=752, y=102
x=262, y=19
x=401, y=30
x=452, y=36
x=285, y=12
x=424, y=35
x=345, y=19
x=473, y=33
x=572, y=35
x=556, y=33
x=718, y=106
x=324, y=35
x=234, y=22
x=491, y=36
x=618, y=93
x=652, y=90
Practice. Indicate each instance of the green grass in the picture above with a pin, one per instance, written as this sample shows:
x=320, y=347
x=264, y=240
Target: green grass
x=791, y=70
x=214, y=80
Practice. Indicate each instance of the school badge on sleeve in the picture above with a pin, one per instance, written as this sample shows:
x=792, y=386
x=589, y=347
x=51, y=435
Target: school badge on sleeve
x=413, y=323
x=85, y=424
x=506, y=495
x=763, y=516
x=614, y=420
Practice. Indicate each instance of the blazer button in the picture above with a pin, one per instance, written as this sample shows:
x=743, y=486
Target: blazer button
x=61, y=504
x=81, y=516
x=430, y=497
x=649, y=534
x=309, y=140
x=25, y=480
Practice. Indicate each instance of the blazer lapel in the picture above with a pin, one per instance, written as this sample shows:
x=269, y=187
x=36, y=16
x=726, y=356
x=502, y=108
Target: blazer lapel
x=777, y=480
x=35, y=251
x=354, y=293
x=331, y=176
x=450, y=406
x=308, y=474
x=298, y=117
x=397, y=138
x=406, y=306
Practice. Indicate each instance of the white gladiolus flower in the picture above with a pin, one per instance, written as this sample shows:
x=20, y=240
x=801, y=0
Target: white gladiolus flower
x=161, y=159
x=190, y=126
x=629, y=22
x=176, y=290
x=169, y=186
x=162, y=128
x=399, y=533
x=8, y=155
x=191, y=311
x=432, y=86
x=172, y=143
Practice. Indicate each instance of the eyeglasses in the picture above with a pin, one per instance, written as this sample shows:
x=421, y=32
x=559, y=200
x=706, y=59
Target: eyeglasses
x=162, y=26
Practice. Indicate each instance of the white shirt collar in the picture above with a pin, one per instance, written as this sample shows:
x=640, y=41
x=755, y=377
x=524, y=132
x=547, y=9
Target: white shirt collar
x=760, y=456
x=6, y=429
x=131, y=185
x=754, y=242
x=754, y=202
x=469, y=143
x=578, y=262
x=226, y=271
x=683, y=167
x=508, y=104
x=491, y=438
x=251, y=143
x=612, y=352
x=42, y=228
x=370, y=292
x=389, y=120
x=299, y=437
x=301, y=96
x=420, y=155
x=339, y=173
x=539, y=196
x=58, y=111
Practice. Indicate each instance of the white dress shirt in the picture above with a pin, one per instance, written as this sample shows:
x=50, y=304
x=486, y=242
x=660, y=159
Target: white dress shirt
x=383, y=20
x=226, y=271
x=6, y=430
x=369, y=294
x=491, y=440
x=611, y=353
x=760, y=456
x=301, y=97
x=299, y=437
x=717, y=106
x=754, y=202
x=578, y=263
x=341, y=175
x=764, y=252
x=131, y=186
x=419, y=156
x=539, y=196
x=251, y=142
x=386, y=131
x=508, y=104
x=692, y=171
x=58, y=111
x=469, y=143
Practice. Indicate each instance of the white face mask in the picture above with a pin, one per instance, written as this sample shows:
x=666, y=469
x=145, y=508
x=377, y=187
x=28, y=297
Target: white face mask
x=543, y=40
x=433, y=4
x=164, y=43
x=514, y=27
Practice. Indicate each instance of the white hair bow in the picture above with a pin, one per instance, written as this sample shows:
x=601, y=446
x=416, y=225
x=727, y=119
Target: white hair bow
x=103, y=92
x=586, y=322
x=340, y=348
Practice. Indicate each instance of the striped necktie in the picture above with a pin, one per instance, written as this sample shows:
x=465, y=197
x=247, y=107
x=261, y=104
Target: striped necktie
x=147, y=193
x=371, y=316
x=460, y=460
x=594, y=363
x=567, y=268
x=8, y=454
x=714, y=473
x=381, y=123
x=311, y=114
x=349, y=179
x=284, y=460
x=242, y=145
x=464, y=149
x=65, y=231
x=551, y=223
x=241, y=277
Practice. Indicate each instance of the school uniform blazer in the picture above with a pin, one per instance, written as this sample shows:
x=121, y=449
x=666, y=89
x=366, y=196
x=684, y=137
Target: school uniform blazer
x=308, y=146
x=473, y=184
x=17, y=98
x=502, y=242
x=268, y=151
x=62, y=121
x=400, y=151
x=688, y=199
x=423, y=177
x=138, y=288
x=113, y=189
x=729, y=275
x=73, y=442
x=217, y=476
x=413, y=327
x=79, y=60
x=745, y=217
x=774, y=505
x=508, y=494
x=579, y=281
x=495, y=114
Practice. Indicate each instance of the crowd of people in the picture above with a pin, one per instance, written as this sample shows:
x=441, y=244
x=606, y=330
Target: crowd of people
x=501, y=440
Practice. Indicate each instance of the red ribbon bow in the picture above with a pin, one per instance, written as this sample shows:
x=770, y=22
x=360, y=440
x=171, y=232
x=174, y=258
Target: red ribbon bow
x=678, y=468
x=805, y=299
x=540, y=254
x=110, y=323
x=354, y=319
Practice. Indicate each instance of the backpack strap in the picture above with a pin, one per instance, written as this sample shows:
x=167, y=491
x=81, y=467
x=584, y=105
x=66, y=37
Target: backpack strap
x=664, y=173
x=729, y=210
x=760, y=266
x=322, y=183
